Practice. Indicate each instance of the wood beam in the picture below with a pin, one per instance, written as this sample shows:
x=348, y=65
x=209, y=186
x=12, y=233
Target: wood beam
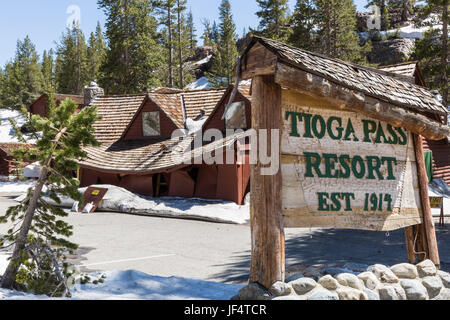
x=268, y=240
x=344, y=98
x=428, y=224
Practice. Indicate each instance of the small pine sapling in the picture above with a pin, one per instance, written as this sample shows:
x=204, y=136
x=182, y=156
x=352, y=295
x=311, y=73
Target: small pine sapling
x=38, y=232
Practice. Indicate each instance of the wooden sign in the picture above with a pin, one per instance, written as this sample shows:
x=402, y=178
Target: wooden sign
x=342, y=169
x=93, y=196
x=436, y=202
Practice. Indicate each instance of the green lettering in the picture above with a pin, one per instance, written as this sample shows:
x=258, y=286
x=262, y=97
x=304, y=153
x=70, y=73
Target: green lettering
x=369, y=127
x=393, y=139
x=323, y=204
x=315, y=121
x=362, y=168
x=371, y=168
x=348, y=200
x=404, y=139
x=390, y=162
x=339, y=128
x=313, y=161
x=344, y=161
x=294, y=124
x=307, y=120
x=330, y=160
x=380, y=134
x=335, y=199
x=350, y=131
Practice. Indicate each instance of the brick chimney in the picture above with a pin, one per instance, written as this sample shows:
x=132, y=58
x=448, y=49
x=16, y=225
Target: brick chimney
x=92, y=92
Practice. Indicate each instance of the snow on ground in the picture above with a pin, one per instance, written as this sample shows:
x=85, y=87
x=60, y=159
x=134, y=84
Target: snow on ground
x=123, y=201
x=6, y=130
x=15, y=187
x=201, y=83
x=135, y=285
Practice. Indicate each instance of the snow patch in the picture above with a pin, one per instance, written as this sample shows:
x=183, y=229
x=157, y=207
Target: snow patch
x=6, y=130
x=16, y=187
x=202, y=83
x=32, y=171
x=123, y=201
x=194, y=126
x=135, y=285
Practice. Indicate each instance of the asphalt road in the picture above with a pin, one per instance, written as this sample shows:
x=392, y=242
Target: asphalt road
x=218, y=252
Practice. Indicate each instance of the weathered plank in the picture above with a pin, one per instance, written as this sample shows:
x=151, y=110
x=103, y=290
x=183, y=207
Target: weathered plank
x=368, y=181
x=258, y=62
x=268, y=260
x=344, y=98
x=428, y=224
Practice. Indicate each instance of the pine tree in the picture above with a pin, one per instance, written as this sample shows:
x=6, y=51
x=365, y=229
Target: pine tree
x=22, y=77
x=303, y=21
x=222, y=70
x=96, y=51
x=182, y=44
x=207, y=33
x=168, y=19
x=72, y=72
x=337, y=31
x=133, y=60
x=191, y=32
x=41, y=242
x=48, y=71
x=432, y=50
x=274, y=17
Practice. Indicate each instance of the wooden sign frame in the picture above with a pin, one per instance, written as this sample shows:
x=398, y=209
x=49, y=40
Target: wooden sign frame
x=93, y=195
x=268, y=238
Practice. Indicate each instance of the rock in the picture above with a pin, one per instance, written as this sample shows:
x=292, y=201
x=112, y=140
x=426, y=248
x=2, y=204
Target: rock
x=433, y=286
x=281, y=289
x=303, y=285
x=328, y=282
x=371, y=294
x=444, y=295
x=312, y=272
x=414, y=289
x=383, y=273
x=346, y=293
x=294, y=277
x=356, y=267
x=390, y=51
x=289, y=298
x=336, y=271
x=235, y=298
x=323, y=294
x=369, y=279
x=391, y=292
x=445, y=277
x=405, y=270
x=254, y=292
x=350, y=280
x=426, y=269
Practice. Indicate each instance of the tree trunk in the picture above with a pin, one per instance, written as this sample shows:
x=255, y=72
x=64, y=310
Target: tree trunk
x=9, y=277
x=180, y=46
x=444, y=59
x=169, y=27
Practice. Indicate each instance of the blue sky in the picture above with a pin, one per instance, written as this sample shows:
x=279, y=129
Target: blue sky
x=45, y=20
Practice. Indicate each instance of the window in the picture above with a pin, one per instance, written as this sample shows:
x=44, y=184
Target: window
x=151, y=124
x=235, y=116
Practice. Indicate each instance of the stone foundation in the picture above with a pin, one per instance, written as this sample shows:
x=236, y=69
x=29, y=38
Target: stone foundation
x=358, y=282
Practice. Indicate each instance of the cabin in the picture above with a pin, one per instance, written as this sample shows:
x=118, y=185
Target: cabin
x=139, y=153
x=40, y=106
x=438, y=151
x=8, y=164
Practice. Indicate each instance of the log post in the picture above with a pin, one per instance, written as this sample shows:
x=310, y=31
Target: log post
x=268, y=241
x=410, y=245
x=429, y=233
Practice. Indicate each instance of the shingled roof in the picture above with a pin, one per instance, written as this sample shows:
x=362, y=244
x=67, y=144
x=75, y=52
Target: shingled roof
x=369, y=81
x=197, y=100
x=116, y=113
x=150, y=156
